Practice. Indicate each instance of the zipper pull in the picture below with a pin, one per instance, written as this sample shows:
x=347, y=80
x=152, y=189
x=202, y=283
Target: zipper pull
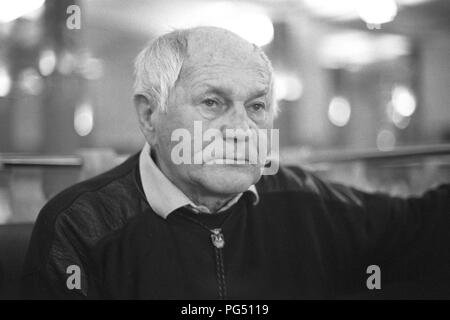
x=217, y=238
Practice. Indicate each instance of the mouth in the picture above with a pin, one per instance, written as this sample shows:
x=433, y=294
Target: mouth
x=228, y=161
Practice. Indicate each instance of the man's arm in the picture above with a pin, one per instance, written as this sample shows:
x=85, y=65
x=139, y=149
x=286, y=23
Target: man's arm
x=408, y=238
x=57, y=263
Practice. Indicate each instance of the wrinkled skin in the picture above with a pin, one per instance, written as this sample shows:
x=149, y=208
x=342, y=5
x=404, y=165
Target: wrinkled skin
x=224, y=83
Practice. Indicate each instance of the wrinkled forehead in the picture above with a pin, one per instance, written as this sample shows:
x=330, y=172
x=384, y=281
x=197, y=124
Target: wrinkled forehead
x=216, y=50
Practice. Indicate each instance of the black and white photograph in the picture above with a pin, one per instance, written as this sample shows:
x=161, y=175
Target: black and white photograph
x=224, y=154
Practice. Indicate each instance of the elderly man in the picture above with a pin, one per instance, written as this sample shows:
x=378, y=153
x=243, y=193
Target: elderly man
x=156, y=228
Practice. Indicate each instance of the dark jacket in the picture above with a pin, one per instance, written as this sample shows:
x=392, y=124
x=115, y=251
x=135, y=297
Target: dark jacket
x=304, y=239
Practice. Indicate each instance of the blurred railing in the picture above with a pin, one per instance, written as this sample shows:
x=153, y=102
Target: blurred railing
x=330, y=156
x=402, y=171
x=376, y=155
x=28, y=181
x=51, y=161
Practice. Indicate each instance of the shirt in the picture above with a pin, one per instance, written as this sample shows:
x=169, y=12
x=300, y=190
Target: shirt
x=164, y=196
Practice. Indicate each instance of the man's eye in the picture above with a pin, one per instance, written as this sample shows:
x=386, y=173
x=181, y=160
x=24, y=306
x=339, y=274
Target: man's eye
x=258, y=107
x=210, y=102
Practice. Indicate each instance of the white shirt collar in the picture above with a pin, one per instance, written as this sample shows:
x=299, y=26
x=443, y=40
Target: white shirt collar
x=163, y=196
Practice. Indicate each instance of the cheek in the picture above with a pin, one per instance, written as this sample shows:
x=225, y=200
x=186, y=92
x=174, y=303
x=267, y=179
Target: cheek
x=178, y=123
x=266, y=123
x=163, y=132
x=172, y=120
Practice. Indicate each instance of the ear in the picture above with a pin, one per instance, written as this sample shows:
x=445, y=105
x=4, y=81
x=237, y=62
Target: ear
x=145, y=108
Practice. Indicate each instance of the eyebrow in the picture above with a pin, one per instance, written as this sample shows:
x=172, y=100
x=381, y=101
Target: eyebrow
x=216, y=90
x=259, y=93
x=226, y=93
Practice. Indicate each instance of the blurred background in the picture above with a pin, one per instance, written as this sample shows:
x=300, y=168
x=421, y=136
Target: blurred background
x=363, y=87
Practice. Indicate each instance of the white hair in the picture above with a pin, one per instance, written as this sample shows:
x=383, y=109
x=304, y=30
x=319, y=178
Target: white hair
x=158, y=66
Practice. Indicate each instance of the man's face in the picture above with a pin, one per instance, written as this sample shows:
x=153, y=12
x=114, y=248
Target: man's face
x=222, y=92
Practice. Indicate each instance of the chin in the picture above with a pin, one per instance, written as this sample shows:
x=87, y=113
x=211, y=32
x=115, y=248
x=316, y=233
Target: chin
x=227, y=179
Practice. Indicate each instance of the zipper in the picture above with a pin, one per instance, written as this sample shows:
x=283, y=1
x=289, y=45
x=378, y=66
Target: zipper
x=218, y=241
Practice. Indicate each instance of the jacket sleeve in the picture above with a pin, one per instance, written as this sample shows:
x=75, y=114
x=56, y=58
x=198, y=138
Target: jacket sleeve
x=57, y=262
x=408, y=238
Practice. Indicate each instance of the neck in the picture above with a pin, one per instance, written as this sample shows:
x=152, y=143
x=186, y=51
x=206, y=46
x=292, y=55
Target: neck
x=212, y=202
x=196, y=194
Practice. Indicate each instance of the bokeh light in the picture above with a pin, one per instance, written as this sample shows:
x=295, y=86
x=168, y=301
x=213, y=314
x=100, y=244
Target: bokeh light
x=403, y=101
x=5, y=82
x=386, y=140
x=339, y=111
x=47, y=62
x=377, y=11
x=84, y=119
x=11, y=10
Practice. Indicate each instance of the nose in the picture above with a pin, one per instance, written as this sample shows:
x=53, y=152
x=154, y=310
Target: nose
x=238, y=121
